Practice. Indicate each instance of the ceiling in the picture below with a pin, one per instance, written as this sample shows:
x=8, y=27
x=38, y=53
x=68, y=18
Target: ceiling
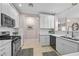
x=53, y=8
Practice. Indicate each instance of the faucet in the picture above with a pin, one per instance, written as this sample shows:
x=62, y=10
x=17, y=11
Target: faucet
x=68, y=32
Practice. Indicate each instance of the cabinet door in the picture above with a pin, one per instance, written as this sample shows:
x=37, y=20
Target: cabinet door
x=44, y=40
x=51, y=21
x=6, y=49
x=65, y=47
x=0, y=6
x=42, y=22
x=4, y=8
x=8, y=10
x=3, y=53
x=17, y=21
x=47, y=24
x=59, y=46
x=0, y=13
x=46, y=21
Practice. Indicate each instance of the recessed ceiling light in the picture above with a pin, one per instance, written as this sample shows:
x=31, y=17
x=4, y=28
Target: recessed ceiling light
x=20, y=5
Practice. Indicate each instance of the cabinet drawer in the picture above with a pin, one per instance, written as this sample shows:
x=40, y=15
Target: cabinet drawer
x=5, y=50
x=44, y=40
x=64, y=46
x=5, y=46
x=66, y=41
x=4, y=42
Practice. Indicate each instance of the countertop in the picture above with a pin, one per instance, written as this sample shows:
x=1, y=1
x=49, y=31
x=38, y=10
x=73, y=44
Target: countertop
x=57, y=35
x=70, y=40
x=72, y=54
x=9, y=37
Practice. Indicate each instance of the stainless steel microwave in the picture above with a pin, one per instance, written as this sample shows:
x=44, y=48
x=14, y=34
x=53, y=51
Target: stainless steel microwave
x=7, y=21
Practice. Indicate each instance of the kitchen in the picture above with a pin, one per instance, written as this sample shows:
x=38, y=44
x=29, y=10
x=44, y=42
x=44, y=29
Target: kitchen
x=39, y=29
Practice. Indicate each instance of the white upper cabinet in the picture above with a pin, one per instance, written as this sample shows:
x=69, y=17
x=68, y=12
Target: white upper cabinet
x=42, y=21
x=4, y=8
x=17, y=21
x=10, y=11
x=51, y=21
x=0, y=7
x=0, y=12
x=46, y=21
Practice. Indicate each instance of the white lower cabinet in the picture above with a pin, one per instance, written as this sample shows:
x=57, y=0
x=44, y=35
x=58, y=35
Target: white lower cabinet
x=63, y=46
x=5, y=50
x=44, y=40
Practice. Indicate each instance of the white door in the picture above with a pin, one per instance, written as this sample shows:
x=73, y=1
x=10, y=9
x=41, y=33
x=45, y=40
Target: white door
x=31, y=29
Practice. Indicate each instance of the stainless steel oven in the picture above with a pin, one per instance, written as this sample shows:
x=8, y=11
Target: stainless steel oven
x=16, y=46
x=15, y=43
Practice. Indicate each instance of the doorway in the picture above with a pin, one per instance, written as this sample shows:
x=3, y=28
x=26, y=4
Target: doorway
x=31, y=30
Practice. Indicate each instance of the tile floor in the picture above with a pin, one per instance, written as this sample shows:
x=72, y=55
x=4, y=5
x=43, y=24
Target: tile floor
x=38, y=49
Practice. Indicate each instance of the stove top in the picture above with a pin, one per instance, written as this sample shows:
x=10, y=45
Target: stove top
x=9, y=37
